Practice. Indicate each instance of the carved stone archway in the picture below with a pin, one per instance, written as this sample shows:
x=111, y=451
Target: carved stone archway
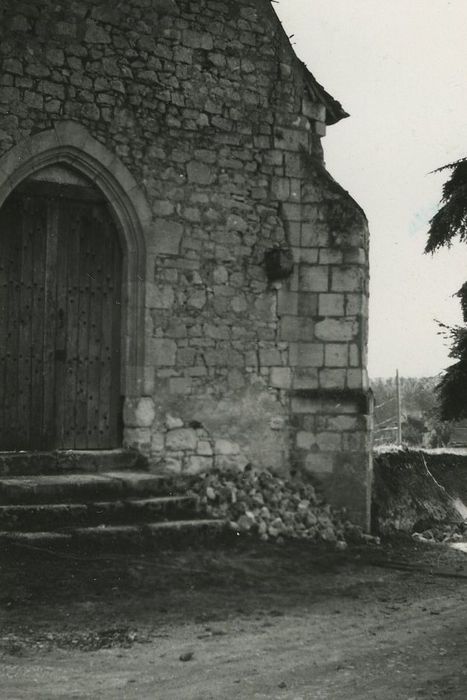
x=70, y=144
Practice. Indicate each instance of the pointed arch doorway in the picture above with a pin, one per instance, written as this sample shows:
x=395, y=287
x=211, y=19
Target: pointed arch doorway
x=60, y=316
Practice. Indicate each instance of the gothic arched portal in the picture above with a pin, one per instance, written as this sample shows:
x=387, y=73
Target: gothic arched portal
x=72, y=259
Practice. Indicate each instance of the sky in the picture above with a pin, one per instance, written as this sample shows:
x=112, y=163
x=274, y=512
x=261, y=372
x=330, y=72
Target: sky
x=399, y=67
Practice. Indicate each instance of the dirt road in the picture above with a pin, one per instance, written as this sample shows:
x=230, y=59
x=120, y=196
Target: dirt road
x=285, y=623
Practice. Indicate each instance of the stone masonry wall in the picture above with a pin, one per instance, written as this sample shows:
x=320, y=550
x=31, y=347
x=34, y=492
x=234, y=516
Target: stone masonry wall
x=207, y=106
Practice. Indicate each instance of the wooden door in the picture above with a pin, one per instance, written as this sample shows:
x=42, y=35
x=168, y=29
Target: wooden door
x=60, y=286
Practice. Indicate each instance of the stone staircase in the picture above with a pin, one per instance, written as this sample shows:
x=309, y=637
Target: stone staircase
x=93, y=498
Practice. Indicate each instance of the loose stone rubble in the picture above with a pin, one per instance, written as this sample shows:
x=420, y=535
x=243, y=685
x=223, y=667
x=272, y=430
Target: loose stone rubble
x=447, y=533
x=262, y=504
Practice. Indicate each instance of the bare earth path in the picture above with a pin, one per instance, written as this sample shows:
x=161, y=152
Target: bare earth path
x=285, y=623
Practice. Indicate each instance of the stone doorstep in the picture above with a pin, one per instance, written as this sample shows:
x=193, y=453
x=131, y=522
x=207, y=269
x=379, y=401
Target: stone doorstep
x=65, y=461
x=170, y=534
x=60, y=488
x=64, y=516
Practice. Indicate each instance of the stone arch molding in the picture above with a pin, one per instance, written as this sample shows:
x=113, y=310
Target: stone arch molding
x=70, y=144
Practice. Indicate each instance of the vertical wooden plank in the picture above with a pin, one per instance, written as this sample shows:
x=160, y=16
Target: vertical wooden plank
x=25, y=236
x=105, y=410
x=81, y=441
x=4, y=316
x=3, y=319
x=13, y=263
x=8, y=272
x=110, y=342
x=115, y=393
x=48, y=422
x=38, y=225
x=60, y=355
x=71, y=242
x=98, y=259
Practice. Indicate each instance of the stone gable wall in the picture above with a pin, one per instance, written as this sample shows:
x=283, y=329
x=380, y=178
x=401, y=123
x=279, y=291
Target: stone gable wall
x=206, y=105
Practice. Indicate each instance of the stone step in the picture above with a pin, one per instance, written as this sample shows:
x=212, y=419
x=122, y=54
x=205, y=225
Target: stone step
x=79, y=488
x=66, y=461
x=63, y=516
x=172, y=533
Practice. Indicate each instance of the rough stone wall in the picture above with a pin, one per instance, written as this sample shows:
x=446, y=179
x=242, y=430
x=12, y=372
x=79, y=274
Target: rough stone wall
x=207, y=106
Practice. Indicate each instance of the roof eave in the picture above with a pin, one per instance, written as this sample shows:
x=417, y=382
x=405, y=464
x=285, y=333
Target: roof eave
x=334, y=110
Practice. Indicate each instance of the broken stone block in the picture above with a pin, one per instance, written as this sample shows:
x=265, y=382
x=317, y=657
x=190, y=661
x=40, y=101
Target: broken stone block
x=173, y=422
x=181, y=439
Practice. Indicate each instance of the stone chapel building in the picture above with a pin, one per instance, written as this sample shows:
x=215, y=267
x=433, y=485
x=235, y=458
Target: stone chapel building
x=178, y=271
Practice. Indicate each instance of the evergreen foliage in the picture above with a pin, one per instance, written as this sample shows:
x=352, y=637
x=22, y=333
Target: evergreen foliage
x=451, y=221
x=452, y=389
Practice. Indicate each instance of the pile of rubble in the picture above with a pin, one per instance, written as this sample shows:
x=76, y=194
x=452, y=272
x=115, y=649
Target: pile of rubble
x=445, y=533
x=263, y=504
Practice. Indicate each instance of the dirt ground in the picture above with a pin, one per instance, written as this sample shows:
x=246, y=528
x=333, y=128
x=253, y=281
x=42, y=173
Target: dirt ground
x=289, y=622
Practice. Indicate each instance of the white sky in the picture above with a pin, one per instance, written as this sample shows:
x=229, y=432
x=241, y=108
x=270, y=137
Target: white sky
x=399, y=67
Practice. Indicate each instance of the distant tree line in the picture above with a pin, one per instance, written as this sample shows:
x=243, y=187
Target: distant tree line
x=421, y=419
